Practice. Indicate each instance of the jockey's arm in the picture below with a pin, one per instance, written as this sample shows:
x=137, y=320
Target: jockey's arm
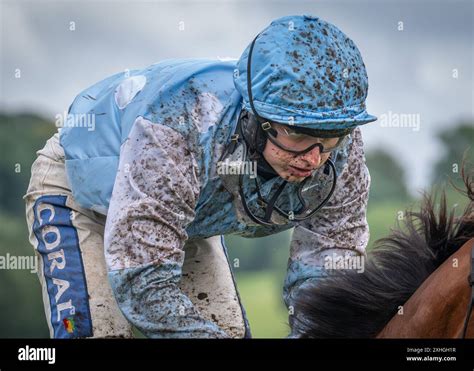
x=340, y=228
x=153, y=200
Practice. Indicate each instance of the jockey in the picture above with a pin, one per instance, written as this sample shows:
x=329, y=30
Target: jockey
x=184, y=152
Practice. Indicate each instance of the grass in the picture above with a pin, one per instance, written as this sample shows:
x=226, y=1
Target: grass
x=261, y=295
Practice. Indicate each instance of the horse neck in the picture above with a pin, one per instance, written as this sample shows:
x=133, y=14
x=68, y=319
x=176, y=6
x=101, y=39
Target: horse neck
x=438, y=307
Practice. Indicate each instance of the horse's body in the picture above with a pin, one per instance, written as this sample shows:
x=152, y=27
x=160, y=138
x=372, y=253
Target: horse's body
x=415, y=283
x=438, y=308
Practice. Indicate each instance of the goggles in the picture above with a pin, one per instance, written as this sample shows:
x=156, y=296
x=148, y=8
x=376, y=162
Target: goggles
x=300, y=141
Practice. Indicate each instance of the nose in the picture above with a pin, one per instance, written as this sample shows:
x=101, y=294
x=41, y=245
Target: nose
x=312, y=158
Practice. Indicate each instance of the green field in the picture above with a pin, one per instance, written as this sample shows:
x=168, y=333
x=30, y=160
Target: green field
x=261, y=295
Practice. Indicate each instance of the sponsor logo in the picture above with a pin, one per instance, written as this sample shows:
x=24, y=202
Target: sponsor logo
x=63, y=271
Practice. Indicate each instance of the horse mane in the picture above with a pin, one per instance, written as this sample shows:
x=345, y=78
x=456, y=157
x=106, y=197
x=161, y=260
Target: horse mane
x=347, y=304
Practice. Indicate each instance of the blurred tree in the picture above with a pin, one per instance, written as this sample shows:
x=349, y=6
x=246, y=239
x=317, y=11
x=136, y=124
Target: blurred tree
x=20, y=137
x=21, y=306
x=456, y=142
x=388, y=178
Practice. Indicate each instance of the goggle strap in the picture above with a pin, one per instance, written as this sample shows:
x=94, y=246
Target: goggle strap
x=266, y=126
x=269, y=129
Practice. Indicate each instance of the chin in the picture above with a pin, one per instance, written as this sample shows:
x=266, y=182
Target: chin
x=293, y=178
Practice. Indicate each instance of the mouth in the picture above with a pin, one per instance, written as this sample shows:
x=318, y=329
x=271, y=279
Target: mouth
x=299, y=171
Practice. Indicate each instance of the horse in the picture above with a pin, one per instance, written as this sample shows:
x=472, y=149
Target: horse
x=416, y=282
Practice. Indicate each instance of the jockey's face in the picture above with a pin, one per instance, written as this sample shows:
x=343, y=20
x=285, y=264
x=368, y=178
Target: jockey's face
x=291, y=167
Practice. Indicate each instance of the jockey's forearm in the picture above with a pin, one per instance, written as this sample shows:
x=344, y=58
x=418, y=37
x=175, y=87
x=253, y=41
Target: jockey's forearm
x=153, y=200
x=151, y=300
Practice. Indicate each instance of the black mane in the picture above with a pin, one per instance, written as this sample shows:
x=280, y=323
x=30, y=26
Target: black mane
x=348, y=304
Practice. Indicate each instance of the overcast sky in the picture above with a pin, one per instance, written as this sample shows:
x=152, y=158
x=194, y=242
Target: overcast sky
x=423, y=71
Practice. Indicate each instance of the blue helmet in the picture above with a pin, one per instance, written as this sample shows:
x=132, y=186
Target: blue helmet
x=304, y=72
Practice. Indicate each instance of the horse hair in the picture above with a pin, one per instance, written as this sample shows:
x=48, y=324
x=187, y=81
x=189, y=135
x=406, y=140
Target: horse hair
x=347, y=304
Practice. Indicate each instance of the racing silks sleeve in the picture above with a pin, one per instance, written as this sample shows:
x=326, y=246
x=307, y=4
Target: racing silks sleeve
x=339, y=229
x=153, y=200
